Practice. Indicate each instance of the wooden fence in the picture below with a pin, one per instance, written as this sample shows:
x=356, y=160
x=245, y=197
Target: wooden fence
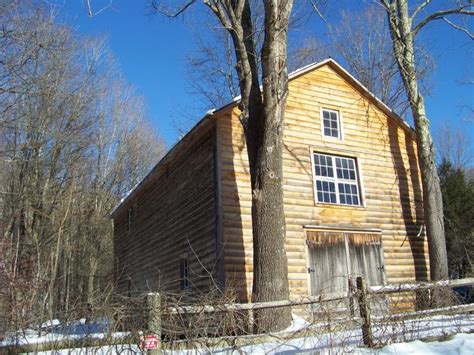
x=358, y=293
x=357, y=298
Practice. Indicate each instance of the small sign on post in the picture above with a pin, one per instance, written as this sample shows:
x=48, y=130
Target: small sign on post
x=154, y=324
x=149, y=342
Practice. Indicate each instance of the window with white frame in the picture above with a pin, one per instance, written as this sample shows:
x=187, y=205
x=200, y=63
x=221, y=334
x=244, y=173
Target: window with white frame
x=331, y=123
x=336, y=180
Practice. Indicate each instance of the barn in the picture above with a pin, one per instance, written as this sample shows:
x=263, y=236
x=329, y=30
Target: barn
x=352, y=198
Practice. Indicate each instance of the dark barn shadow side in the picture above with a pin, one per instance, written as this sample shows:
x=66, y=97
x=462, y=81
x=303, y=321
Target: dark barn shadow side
x=413, y=218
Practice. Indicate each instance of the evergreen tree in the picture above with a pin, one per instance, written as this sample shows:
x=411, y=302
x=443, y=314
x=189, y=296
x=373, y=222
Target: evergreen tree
x=458, y=201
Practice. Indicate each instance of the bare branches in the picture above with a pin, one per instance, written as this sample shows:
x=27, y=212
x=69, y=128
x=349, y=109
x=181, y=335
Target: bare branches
x=73, y=139
x=420, y=7
x=171, y=13
x=439, y=15
x=92, y=13
x=317, y=10
x=460, y=28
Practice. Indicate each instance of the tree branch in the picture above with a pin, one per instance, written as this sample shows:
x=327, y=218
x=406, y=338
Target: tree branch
x=385, y=4
x=172, y=14
x=440, y=14
x=462, y=29
x=316, y=9
x=92, y=13
x=419, y=8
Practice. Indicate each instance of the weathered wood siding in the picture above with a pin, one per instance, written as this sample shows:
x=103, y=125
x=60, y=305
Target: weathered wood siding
x=174, y=216
x=385, y=150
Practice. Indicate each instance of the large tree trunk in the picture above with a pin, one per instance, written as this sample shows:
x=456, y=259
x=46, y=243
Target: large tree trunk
x=403, y=44
x=262, y=116
x=265, y=137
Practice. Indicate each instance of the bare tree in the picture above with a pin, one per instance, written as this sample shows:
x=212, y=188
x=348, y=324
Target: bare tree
x=73, y=139
x=403, y=30
x=363, y=43
x=453, y=145
x=262, y=117
x=212, y=68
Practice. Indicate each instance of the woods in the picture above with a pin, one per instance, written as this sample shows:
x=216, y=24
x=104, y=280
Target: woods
x=74, y=138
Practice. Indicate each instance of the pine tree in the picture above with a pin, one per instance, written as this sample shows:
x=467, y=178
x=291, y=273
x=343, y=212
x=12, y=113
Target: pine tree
x=458, y=201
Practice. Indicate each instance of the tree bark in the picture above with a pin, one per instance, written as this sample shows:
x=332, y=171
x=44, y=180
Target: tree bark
x=402, y=35
x=262, y=117
x=270, y=274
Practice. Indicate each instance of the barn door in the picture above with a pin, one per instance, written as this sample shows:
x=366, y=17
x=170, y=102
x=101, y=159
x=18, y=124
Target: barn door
x=328, y=265
x=366, y=258
x=334, y=257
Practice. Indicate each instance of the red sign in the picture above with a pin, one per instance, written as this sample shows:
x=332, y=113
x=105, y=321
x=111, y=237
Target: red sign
x=149, y=342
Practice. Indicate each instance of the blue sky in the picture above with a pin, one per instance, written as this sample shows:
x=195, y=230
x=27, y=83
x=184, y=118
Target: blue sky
x=151, y=51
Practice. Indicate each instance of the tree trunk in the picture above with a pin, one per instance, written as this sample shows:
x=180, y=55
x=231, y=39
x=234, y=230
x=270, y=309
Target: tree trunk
x=403, y=45
x=262, y=117
x=270, y=273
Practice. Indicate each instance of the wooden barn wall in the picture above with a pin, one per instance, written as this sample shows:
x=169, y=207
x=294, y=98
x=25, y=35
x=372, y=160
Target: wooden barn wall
x=173, y=217
x=386, y=154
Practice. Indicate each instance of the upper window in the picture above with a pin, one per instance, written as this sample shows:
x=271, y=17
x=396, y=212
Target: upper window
x=336, y=180
x=331, y=123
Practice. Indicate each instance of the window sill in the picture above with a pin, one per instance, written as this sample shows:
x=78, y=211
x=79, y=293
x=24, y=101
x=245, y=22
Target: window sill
x=336, y=205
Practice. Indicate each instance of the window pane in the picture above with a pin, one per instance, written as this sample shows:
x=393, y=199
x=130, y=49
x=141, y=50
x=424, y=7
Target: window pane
x=331, y=124
x=348, y=194
x=346, y=169
x=326, y=191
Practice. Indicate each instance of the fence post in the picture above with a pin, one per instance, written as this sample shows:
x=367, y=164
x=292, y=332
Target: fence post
x=364, y=312
x=351, y=296
x=153, y=302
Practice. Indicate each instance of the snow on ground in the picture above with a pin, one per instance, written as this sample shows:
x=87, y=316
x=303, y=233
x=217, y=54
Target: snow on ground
x=55, y=331
x=462, y=344
x=350, y=341
x=400, y=335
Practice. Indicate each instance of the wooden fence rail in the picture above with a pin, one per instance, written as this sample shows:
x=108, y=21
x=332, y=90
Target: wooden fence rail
x=396, y=288
x=358, y=294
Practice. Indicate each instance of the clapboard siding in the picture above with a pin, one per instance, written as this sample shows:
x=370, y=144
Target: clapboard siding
x=386, y=153
x=174, y=215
